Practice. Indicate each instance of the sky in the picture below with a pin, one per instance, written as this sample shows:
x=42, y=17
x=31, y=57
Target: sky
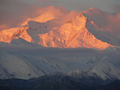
x=12, y=10
x=107, y=5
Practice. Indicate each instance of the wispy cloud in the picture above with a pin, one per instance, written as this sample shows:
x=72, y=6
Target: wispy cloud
x=12, y=11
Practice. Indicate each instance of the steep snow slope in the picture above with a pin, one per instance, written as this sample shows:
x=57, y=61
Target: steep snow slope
x=16, y=67
x=72, y=34
x=28, y=63
x=105, y=26
x=59, y=30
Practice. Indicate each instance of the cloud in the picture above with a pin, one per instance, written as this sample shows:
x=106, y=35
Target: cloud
x=12, y=12
x=116, y=7
x=105, y=26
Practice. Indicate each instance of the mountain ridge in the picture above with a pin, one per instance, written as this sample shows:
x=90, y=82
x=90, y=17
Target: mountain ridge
x=58, y=32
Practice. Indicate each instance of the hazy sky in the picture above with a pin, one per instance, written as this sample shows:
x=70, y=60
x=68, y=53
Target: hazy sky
x=106, y=5
x=14, y=9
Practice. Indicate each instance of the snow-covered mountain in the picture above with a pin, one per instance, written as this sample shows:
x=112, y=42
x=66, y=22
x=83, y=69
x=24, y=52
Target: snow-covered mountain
x=25, y=63
x=105, y=26
x=56, y=31
x=56, y=41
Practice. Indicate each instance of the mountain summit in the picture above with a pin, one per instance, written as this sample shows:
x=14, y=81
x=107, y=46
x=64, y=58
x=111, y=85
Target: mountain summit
x=60, y=31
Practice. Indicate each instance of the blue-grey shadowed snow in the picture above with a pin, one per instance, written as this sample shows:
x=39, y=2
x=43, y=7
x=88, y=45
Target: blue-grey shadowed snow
x=41, y=61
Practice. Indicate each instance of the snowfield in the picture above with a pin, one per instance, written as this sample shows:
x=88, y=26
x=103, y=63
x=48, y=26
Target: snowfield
x=32, y=62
